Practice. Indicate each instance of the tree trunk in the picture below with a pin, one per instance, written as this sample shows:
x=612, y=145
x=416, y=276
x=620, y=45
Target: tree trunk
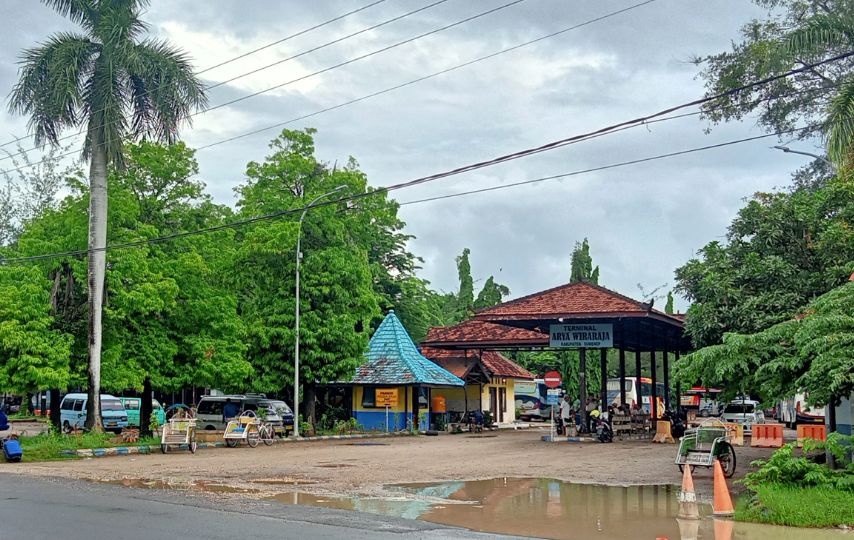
x=97, y=270
x=55, y=419
x=145, y=409
x=309, y=405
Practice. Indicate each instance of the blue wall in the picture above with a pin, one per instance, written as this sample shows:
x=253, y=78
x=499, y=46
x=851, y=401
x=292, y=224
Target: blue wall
x=376, y=420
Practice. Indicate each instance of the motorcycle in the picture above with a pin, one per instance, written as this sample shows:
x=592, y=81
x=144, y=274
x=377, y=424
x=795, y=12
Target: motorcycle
x=677, y=426
x=604, y=434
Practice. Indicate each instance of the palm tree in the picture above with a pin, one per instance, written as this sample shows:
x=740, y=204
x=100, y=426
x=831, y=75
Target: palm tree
x=118, y=85
x=821, y=33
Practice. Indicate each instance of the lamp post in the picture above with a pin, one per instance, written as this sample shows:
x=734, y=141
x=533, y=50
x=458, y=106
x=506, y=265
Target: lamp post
x=829, y=163
x=296, y=325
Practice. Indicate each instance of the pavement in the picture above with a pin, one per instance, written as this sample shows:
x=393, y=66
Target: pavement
x=76, y=510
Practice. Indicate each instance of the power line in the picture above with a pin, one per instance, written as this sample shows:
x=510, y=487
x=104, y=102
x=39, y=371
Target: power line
x=381, y=190
x=602, y=168
x=253, y=51
x=319, y=72
x=278, y=62
x=427, y=77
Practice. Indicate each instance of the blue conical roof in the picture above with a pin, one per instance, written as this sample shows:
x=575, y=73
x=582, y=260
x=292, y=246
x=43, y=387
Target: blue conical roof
x=394, y=359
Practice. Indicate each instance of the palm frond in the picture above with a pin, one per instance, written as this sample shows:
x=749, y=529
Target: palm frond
x=119, y=24
x=821, y=33
x=840, y=126
x=104, y=99
x=50, y=87
x=164, y=90
x=82, y=12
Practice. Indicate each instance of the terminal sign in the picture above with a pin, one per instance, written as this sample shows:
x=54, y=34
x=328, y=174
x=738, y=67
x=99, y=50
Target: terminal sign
x=386, y=397
x=576, y=336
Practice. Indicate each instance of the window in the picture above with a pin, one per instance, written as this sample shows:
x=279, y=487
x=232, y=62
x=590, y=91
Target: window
x=67, y=405
x=131, y=404
x=111, y=405
x=211, y=406
x=78, y=404
x=739, y=408
x=369, y=396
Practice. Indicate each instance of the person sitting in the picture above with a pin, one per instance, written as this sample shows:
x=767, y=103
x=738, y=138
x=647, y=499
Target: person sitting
x=229, y=410
x=475, y=421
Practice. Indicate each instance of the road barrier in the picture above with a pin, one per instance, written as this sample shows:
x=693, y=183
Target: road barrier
x=811, y=431
x=662, y=432
x=767, y=435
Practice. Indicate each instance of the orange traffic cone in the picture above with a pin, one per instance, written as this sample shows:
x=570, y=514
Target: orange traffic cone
x=689, y=529
x=723, y=529
x=722, y=501
x=688, y=508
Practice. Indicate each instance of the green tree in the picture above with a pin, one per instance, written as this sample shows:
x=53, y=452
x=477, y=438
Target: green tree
x=465, y=296
x=812, y=352
x=796, y=33
x=668, y=307
x=582, y=269
x=492, y=294
x=35, y=356
x=782, y=250
x=120, y=87
x=338, y=300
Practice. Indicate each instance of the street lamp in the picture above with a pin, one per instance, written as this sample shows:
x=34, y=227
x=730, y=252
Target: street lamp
x=296, y=340
x=788, y=150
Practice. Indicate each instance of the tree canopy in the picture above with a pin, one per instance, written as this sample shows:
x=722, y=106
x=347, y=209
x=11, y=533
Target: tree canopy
x=582, y=269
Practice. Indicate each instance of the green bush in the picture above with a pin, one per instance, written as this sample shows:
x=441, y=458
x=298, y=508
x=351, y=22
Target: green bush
x=784, y=468
x=48, y=446
x=794, y=506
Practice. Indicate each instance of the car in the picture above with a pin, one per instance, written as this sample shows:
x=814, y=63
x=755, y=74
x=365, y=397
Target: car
x=73, y=412
x=743, y=411
x=132, y=406
x=209, y=414
x=279, y=415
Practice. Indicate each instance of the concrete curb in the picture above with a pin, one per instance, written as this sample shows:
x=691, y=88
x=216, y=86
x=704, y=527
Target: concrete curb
x=130, y=450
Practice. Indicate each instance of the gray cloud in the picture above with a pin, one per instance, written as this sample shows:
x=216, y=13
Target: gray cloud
x=642, y=221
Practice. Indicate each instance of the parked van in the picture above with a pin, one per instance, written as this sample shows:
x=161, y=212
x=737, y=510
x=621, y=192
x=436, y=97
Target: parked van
x=133, y=404
x=743, y=411
x=209, y=415
x=73, y=412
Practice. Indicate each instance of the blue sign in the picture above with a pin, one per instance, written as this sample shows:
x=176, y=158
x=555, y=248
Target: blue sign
x=552, y=400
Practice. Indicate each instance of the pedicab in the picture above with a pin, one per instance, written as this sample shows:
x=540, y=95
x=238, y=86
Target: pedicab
x=701, y=446
x=247, y=427
x=179, y=429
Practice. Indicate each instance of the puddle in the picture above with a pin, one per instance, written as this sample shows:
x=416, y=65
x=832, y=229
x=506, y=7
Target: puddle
x=283, y=481
x=196, y=485
x=550, y=509
x=335, y=465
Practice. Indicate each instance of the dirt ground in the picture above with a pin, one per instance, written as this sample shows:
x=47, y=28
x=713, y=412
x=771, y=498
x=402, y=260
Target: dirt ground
x=365, y=466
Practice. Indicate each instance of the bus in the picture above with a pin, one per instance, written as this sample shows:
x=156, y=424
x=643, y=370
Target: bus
x=702, y=400
x=531, y=400
x=795, y=410
x=632, y=393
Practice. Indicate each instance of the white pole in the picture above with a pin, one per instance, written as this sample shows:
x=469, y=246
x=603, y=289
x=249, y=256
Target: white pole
x=296, y=313
x=386, y=418
x=553, y=424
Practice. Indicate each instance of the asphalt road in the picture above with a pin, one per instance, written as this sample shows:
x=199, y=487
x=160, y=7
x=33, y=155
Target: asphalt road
x=35, y=508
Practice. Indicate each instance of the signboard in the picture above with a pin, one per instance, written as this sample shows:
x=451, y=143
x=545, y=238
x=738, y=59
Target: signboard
x=576, y=336
x=552, y=379
x=552, y=399
x=553, y=392
x=386, y=397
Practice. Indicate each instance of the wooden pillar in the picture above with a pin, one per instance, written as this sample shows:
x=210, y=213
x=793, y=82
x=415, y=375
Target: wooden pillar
x=653, y=407
x=638, y=377
x=666, y=367
x=622, y=375
x=582, y=383
x=603, y=374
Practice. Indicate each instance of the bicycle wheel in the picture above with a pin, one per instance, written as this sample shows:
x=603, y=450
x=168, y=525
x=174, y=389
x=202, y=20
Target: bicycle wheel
x=727, y=459
x=252, y=437
x=267, y=434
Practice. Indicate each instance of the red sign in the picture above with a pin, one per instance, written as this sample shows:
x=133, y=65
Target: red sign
x=552, y=379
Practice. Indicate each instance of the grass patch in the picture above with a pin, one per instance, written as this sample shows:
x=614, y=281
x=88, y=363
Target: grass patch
x=49, y=446
x=794, y=506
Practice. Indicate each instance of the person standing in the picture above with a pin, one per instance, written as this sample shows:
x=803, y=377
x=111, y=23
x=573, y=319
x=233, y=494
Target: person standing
x=565, y=413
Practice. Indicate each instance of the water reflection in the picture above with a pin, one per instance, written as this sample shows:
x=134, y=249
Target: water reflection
x=553, y=509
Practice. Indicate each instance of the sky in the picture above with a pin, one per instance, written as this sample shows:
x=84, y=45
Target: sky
x=642, y=221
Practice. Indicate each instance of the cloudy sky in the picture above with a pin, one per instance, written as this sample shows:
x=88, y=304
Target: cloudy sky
x=642, y=221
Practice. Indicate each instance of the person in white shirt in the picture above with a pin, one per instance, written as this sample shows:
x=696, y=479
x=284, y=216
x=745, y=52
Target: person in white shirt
x=566, y=412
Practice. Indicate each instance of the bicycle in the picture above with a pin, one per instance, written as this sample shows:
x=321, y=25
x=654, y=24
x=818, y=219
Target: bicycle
x=266, y=433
